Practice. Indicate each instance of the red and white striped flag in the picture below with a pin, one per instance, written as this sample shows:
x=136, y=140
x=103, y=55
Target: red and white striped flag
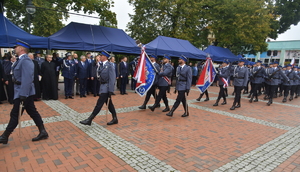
x=293, y=62
x=139, y=74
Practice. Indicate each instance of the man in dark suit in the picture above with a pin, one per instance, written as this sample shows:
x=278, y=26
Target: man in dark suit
x=123, y=74
x=90, y=83
x=83, y=75
x=22, y=74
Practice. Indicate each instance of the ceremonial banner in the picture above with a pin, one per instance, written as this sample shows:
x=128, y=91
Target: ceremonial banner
x=144, y=74
x=293, y=62
x=207, y=75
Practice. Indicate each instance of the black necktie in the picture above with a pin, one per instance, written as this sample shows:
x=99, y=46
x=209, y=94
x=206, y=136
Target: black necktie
x=101, y=65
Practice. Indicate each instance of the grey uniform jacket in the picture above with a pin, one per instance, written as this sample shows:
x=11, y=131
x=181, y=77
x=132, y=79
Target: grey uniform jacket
x=23, y=72
x=292, y=77
x=107, y=77
x=240, y=75
x=275, y=79
x=224, y=73
x=257, y=74
x=184, y=78
x=157, y=67
x=166, y=70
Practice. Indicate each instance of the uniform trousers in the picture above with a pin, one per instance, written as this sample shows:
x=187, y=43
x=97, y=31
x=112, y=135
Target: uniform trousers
x=180, y=98
x=124, y=81
x=68, y=86
x=152, y=91
x=30, y=109
x=82, y=85
x=287, y=90
x=76, y=84
x=133, y=84
x=96, y=86
x=298, y=90
x=255, y=89
x=162, y=94
x=237, y=97
x=205, y=92
x=293, y=90
x=270, y=90
x=103, y=98
x=222, y=93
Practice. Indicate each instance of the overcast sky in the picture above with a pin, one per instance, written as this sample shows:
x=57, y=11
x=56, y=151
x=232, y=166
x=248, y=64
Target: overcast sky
x=122, y=9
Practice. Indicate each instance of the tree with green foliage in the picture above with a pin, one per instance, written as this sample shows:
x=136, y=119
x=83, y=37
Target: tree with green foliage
x=236, y=24
x=50, y=13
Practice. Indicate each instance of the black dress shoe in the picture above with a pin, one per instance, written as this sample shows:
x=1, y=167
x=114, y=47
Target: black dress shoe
x=185, y=114
x=71, y=97
x=226, y=95
x=95, y=95
x=114, y=121
x=296, y=96
x=125, y=93
x=291, y=98
x=166, y=109
x=206, y=99
x=77, y=94
x=80, y=96
x=170, y=114
x=284, y=99
x=198, y=99
x=256, y=100
x=84, y=96
x=224, y=103
x=66, y=97
x=113, y=94
x=143, y=106
x=232, y=107
x=158, y=106
x=237, y=106
x=251, y=100
x=216, y=104
x=152, y=108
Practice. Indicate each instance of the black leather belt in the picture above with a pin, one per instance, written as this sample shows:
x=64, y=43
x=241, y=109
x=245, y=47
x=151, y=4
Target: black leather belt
x=17, y=82
x=182, y=80
x=239, y=77
x=103, y=82
x=275, y=78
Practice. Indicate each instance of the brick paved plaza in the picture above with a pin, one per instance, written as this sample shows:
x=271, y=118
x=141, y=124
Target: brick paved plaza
x=254, y=137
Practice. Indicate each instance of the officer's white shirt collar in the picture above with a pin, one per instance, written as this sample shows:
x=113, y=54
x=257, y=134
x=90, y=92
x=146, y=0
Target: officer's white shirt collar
x=104, y=62
x=20, y=57
x=182, y=65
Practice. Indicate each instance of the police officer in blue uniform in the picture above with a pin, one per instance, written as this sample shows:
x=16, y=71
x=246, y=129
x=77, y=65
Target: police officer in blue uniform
x=289, y=86
x=22, y=76
x=297, y=93
x=223, y=74
x=152, y=90
x=38, y=58
x=107, y=77
x=69, y=73
x=257, y=78
x=272, y=79
x=240, y=80
x=183, y=85
x=164, y=81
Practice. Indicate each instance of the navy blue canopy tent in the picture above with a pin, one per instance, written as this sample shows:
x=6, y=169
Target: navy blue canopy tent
x=174, y=47
x=78, y=36
x=219, y=54
x=10, y=32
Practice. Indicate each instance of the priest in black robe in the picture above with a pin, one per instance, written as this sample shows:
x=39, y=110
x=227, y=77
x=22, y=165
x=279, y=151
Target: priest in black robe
x=49, y=80
x=3, y=80
x=36, y=78
x=7, y=64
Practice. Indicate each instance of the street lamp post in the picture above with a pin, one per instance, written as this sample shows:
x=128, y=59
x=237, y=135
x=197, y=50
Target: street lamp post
x=30, y=9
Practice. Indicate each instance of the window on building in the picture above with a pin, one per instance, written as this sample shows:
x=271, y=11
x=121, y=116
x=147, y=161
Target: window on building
x=5, y=51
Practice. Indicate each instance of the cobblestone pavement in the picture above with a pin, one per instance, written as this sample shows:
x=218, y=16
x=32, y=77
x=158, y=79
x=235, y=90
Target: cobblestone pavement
x=254, y=137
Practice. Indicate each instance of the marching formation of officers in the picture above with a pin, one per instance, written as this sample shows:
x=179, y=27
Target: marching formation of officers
x=272, y=79
x=99, y=76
